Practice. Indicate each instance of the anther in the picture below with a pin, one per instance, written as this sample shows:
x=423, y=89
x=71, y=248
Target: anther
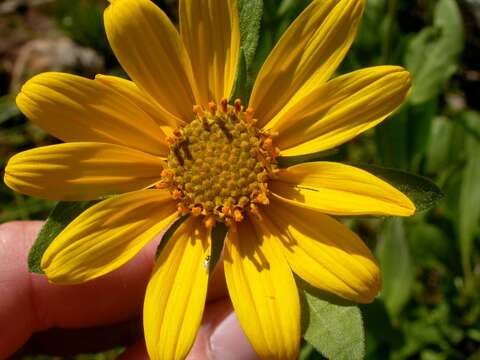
x=262, y=158
x=238, y=105
x=161, y=185
x=197, y=109
x=226, y=210
x=212, y=106
x=209, y=222
x=249, y=113
x=224, y=104
x=263, y=187
x=182, y=209
x=237, y=215
x=170, y=140
x=177, y=133
x=196, y=210
x=275, y=152
x=262, y=199
x=166, y=173
x=177, y=194
x=267, y=143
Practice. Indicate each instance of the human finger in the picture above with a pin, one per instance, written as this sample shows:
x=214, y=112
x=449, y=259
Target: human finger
x=32, y=304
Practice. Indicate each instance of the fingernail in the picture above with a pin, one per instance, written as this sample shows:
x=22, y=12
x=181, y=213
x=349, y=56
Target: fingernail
x=228, y=341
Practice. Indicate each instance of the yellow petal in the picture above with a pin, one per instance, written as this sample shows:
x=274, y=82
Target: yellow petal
x=306, y=55
x=339, y=110
x=176, y=293
x=263, y=292
x=211, y=34
x=339, y=189
x=73, y=108
x=107, y=235
x=81, y=171
x=149, y=48
x=324, y=252
x=129, y=90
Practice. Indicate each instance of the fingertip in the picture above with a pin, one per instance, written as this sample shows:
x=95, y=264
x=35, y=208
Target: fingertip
x=228, y=341
x=220, y=336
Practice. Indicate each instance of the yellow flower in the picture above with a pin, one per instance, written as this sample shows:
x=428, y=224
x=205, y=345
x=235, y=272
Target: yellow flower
x=141, y=139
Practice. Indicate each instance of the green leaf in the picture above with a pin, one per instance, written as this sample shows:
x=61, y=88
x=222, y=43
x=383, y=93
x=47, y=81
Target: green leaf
x=391, y=139
x=250, y=14
x=334, y=329
x=429, y=244
x=439, y=147
x=219, y=232
x=433, y=54
x=308, y=352
x=62, y=215
x=239, y=90
x=469, y=203
x=169, y=233
x=396, y=265
x=422, y=191
x=285, y=6
x=402, y=139
x=420, y=118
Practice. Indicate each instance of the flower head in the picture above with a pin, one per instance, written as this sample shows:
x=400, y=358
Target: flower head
x=168, y=144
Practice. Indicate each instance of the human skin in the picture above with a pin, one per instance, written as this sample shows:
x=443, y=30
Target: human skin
x=105, y=312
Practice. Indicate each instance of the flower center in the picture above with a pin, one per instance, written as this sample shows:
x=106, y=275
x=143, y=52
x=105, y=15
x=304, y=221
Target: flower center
x=219, y=165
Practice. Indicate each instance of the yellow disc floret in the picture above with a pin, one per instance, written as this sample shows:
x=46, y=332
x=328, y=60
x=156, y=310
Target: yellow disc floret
x=219, y=165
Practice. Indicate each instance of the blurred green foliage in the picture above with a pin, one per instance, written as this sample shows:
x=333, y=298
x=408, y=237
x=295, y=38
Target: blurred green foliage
x=429, y=308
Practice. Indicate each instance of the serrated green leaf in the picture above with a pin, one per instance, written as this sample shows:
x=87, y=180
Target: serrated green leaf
x=169, y=233
x=396, y=265
x=250, y=15
x=219, y=232
x=433, y=54
x=62, y=215
x=334, y=329
x=422, y=191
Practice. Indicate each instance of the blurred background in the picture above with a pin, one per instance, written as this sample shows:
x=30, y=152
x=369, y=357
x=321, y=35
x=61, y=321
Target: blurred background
x=429, y=308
